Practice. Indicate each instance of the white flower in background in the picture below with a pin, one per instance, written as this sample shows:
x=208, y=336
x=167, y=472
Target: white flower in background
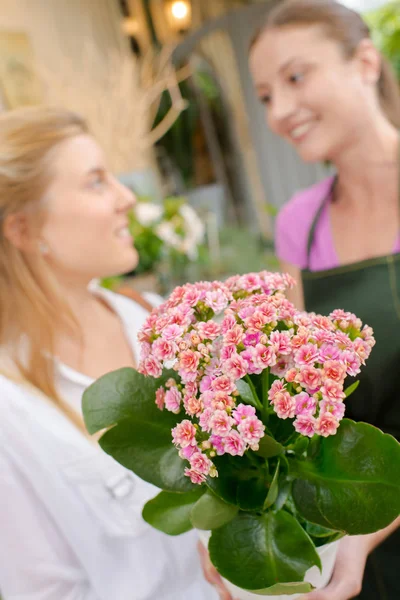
x=148, y=213
x=166, y=232
x=194, y=231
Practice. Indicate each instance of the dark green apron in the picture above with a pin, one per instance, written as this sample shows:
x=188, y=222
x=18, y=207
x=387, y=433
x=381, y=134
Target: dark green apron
x=371, y=290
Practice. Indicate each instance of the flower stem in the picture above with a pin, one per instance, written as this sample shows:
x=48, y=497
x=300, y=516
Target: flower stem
x=253, y=392
x=265, y=387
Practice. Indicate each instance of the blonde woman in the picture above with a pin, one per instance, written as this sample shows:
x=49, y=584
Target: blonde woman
x=70, y=517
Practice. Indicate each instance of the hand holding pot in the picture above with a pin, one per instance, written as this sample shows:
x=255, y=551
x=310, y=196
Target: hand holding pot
x=346, y=582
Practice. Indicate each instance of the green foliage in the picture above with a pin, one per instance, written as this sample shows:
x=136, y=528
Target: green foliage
x=268, y=510
x=385, y=25
x=257, y=551
x=170, y=513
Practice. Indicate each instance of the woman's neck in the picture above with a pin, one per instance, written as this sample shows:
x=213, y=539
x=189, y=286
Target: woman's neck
x=367, y=167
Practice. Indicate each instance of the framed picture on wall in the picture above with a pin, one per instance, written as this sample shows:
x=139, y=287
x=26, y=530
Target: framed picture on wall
x=19, y=83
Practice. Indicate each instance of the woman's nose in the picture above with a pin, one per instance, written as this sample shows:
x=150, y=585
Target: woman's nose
x=126, y=197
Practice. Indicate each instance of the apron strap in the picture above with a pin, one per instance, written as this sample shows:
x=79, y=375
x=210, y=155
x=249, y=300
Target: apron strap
x=314, y=224
x=325, y=200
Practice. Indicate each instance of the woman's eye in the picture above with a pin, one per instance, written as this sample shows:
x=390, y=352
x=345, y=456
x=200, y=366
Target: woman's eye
x=98, y=182
x=265, y=99
x=296, y=77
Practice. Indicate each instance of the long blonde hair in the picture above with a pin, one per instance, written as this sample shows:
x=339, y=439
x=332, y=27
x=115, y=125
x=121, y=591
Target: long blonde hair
x=347, y=28
x=31, y=307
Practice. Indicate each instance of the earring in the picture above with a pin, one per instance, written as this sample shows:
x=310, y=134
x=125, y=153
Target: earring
x=43, y=248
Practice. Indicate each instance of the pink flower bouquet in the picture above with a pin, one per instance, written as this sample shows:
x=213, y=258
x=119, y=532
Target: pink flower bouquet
x=237, y=414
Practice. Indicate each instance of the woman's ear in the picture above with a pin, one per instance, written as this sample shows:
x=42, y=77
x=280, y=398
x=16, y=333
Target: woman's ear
x=19, y=232
x=370, y=61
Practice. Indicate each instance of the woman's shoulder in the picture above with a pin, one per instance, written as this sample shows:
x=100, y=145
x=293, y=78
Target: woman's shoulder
x=303, y=204
x=294, y=222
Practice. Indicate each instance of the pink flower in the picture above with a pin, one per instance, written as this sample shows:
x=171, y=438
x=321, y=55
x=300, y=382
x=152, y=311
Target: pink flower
x=328, y=352
x=192, y=296
x=235, y=367
x=351, y=361
x=243, y=411
x=172, y=332
x=283, y=364
x=305, y=404
x=205, y=384
x=252, y=337
x=362, y=349
x=218, y=443
x=256, y=321
x=323, y=323
x=145, y=350
x=222, y=401
x=195, y=476
x=332, y=391
x=334, y=370
x=228, y=323
x=164, y=350
x=326, y=424
x=264, y=356
x=221, y=423
x=227, y=351
x=305, y=424
x=160, y=397
x=277, y=387
x=209, y=330
x=184, y=434
x=223, y=384
x=280, y=341
x=247, y=356
x=216, y=300
x=193, y=406
x=200, y=463
x=291, y=375
x=204, y=420
x=337, y=409
x=188, y=451
x=251, y=430
x=309, y=377
x=172, y=400
x=284, y=405
x=306, y=354
x=234, y=444
x=234, y=336
x=151, y=367
x=301, y=338
x=268, y=310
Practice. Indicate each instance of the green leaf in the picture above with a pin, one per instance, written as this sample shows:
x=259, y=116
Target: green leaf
x=352, y=388
x=170, y=513
x=239, y=482
x=210, y=512
x=248, y=393
x=286, y=589
x=140, y=438
x=256, y=552
x=351, y=483
x=301, y=445
x=121, y=394
x=269, y=447
x=273, y=490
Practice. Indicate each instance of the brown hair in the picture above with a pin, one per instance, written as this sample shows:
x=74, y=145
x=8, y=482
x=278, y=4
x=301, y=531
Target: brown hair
x=346, y=27
x=31, y=307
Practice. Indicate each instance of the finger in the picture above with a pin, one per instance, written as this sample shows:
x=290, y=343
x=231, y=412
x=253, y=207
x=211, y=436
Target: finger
x=223, y=592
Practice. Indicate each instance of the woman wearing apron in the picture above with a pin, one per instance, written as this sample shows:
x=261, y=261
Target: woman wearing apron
x=329, y=93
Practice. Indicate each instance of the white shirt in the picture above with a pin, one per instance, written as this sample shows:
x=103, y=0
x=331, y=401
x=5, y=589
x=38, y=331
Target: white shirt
x=70, y=516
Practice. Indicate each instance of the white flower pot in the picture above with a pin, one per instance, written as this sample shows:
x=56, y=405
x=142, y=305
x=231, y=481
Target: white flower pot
x=313, y=575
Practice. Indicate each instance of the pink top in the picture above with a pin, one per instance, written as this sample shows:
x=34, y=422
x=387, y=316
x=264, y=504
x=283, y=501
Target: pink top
x=293, y=225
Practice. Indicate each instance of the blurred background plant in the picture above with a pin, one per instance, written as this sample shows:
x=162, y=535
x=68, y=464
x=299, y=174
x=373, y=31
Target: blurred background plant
x=385, y=26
